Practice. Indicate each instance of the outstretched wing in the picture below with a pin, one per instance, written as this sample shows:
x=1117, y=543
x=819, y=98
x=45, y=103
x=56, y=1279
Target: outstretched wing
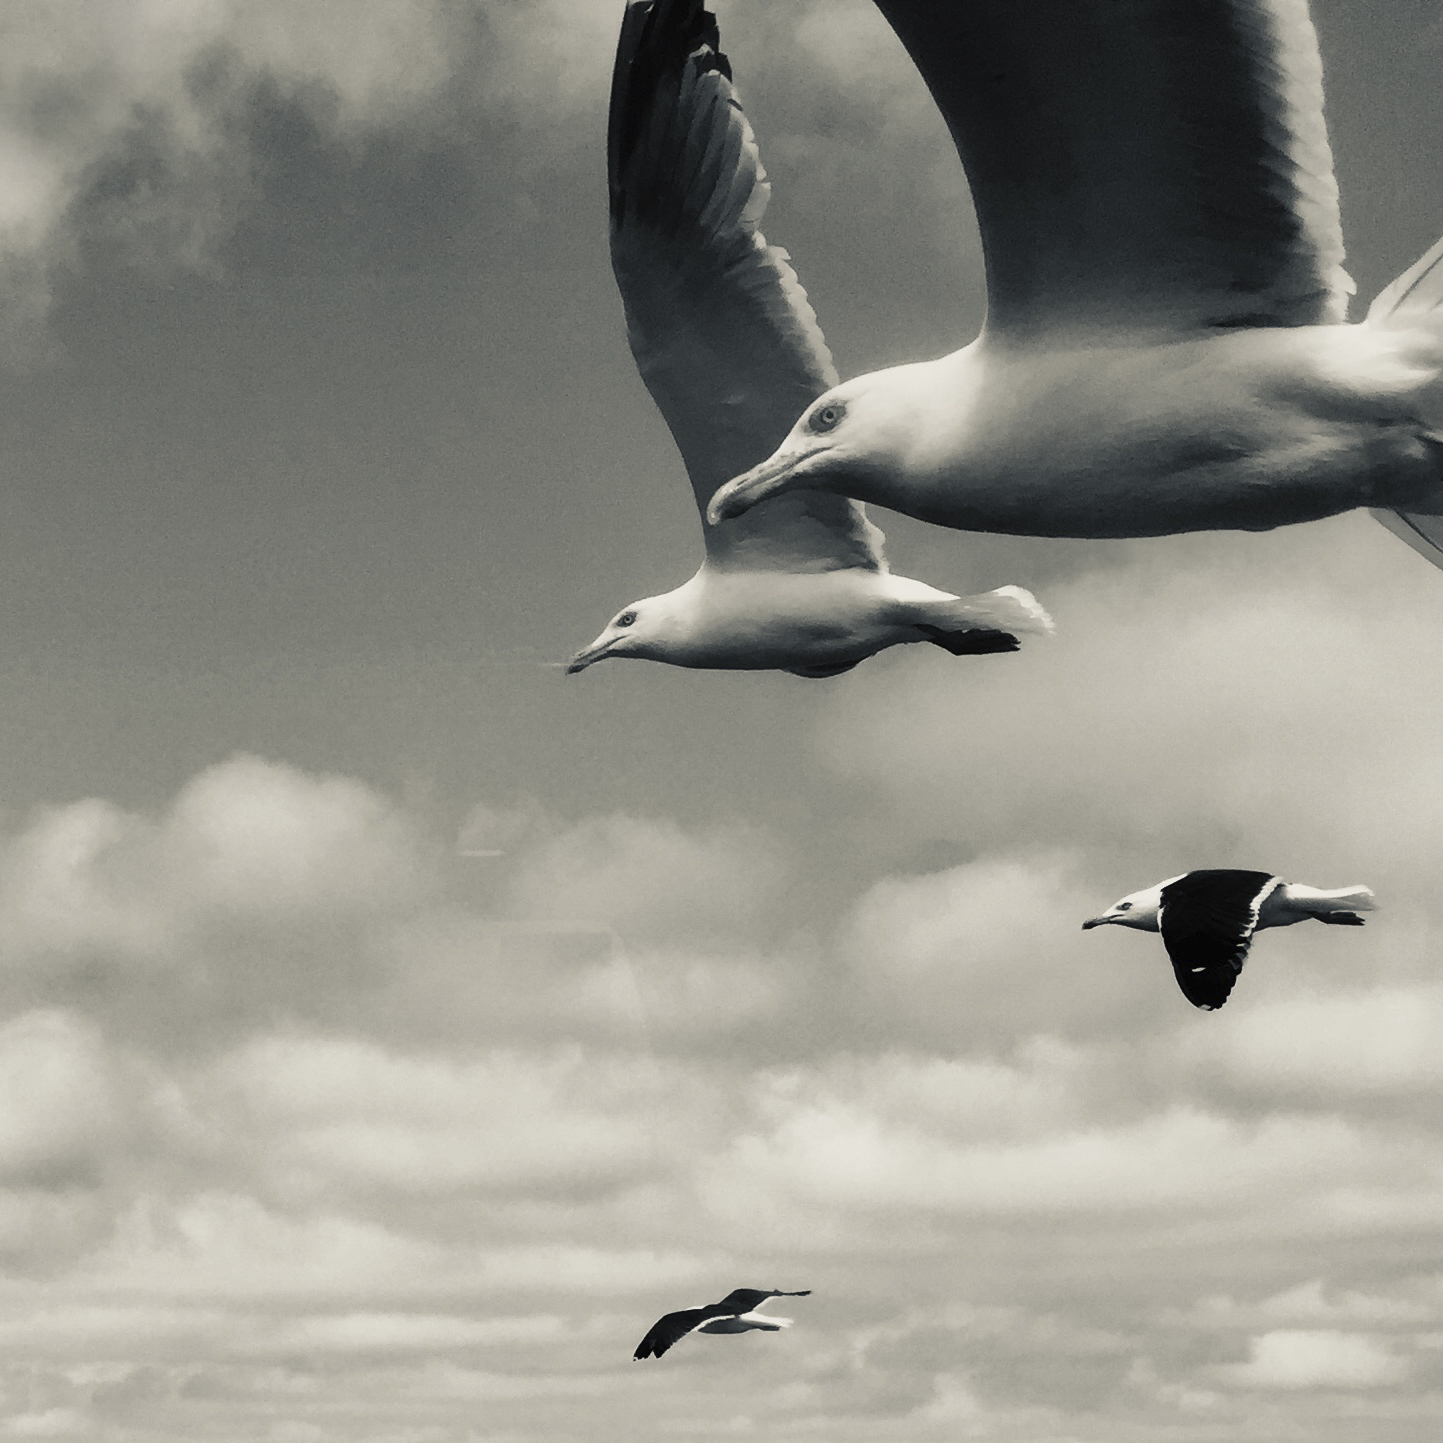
x=743, y=1300
x=667, y=1330
x=1139, y=163
x=1207, y=922
x=718, y=323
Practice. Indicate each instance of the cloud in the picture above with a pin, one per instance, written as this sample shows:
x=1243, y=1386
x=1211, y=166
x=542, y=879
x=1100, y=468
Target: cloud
x=1321, y=1358
x=645, y=875
x=993, y=949
x=1247, y=701
x=139, y=129
x=294, y=1100
x=1345, y=1043
x=337, y=1113
x=58, y=1113
x=839, y=1152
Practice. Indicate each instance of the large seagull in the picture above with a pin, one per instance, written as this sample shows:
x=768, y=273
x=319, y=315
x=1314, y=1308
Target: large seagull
x=1165, y=347
x=730, y=350
x=1207, y=920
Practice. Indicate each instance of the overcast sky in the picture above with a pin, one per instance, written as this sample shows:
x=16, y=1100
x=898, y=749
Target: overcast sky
x=393, y=1027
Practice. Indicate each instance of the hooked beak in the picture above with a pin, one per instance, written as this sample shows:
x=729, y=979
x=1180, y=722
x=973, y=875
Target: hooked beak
x=597, y=651
x=1095, y=922
x=743, y=492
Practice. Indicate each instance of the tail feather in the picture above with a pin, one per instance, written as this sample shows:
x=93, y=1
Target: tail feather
x=1335, y=906
x=1009, y=609
x=1416, y=292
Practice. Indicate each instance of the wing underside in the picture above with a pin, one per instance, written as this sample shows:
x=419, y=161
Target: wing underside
x=1207, y=922
x=720, y=327
x=1139, y=163
x=670, y=1329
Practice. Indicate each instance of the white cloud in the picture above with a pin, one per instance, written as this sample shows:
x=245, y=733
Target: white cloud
x=326, y=1112
x=1313, y=1302
x=402, y=1128
x=59, y=1117
x=1242, y=701
x=246, y=844
x=994, y=948
x=841, y=1153
x=1348, y=1043
x=643, y=873
x=1321, y=1358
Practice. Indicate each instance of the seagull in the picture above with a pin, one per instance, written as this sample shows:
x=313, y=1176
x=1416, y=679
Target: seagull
x=730, y=349
x=1165, y=347
x=736, y=1313
x=1207, y=920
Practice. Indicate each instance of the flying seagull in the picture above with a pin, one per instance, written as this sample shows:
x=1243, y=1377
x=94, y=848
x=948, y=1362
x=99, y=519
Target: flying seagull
x=730, y=350
x=1165, y=347
x=1207, y=920
x=736, y=1313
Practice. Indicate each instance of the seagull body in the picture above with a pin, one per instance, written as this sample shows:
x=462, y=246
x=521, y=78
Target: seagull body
x=738, y=1312
x=1165, y=347
x=811, y=624
x=730, y=349
x=1208, y=918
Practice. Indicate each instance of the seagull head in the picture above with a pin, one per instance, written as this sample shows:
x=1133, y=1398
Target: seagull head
x=1138, y=910
x=849, y=441
x=652, y=628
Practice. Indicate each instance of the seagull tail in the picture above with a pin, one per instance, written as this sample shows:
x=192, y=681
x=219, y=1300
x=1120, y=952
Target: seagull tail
x=1417, y=292
x=1340, y=906
x=1415, y=297
x=989, y=622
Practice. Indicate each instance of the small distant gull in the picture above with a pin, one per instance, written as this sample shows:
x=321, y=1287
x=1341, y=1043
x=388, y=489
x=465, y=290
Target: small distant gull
x=736, y=1313
x=730, y=350
x=1207, y=920
x=1165, y=347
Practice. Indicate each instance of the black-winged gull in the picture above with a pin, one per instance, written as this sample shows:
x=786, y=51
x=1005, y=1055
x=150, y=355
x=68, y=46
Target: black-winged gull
x=1165, y=347
x=1207, y=920
x=730, y=350
x=736, y=1313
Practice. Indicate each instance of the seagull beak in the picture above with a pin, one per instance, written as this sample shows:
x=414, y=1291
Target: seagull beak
x=1095, y=922
x=743, y=492
x=597, y=651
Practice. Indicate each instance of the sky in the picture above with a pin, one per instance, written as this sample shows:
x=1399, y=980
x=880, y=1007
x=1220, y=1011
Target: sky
x=393, y=1027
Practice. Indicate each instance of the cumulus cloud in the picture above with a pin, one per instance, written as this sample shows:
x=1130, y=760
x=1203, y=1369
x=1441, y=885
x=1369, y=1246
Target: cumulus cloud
x=1321, y=1358
x=1344, y=1043
x=1260, y=697
x=631, y=873
x=289, y=1094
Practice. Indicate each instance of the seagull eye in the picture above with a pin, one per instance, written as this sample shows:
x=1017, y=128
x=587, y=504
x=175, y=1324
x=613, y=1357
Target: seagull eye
x=824, y=418
x=1123, y=906
x=625, y=619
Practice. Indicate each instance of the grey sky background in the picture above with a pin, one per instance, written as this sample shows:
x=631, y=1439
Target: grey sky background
x=393, y=1027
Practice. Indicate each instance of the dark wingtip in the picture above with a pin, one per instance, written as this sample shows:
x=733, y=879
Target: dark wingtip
x=656, y=38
